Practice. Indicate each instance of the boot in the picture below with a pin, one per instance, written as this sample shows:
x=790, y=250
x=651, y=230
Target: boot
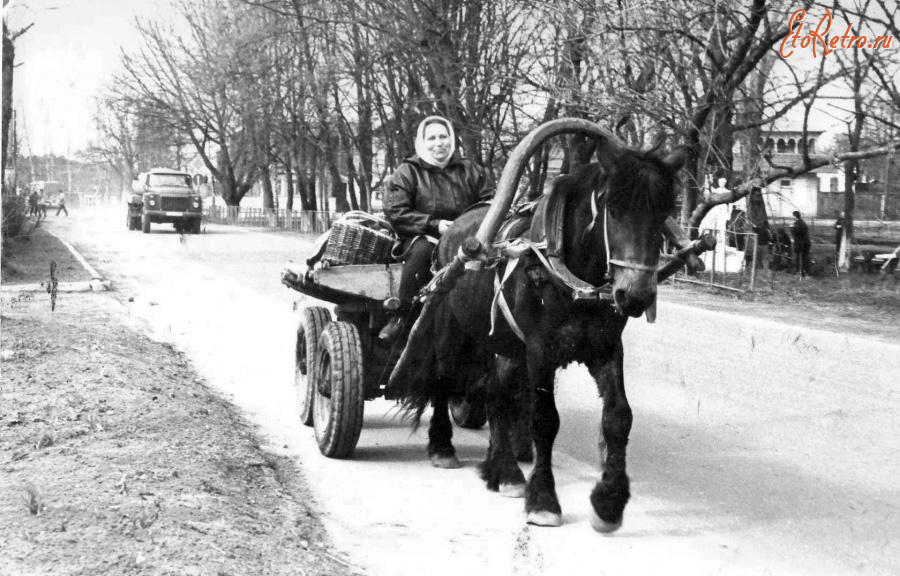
x=392, y=329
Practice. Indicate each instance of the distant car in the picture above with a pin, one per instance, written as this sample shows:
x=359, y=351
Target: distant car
x=164, y=196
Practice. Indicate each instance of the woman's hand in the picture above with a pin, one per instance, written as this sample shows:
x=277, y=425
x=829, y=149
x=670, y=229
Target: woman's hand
x=443, y=225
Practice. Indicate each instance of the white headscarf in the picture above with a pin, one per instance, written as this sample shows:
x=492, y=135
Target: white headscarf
x=422, y=151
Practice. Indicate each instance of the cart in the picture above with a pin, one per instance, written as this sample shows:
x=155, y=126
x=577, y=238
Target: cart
x=340, y=362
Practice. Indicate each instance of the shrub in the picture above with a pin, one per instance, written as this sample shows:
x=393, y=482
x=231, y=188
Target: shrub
x=15, y=210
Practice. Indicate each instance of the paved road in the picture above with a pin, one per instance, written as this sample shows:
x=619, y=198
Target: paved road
x=757, y=448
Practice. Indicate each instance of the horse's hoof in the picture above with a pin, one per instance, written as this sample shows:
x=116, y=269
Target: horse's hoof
x=544, y=519
x=602, y=526
x=512, y=490
x=446, y=462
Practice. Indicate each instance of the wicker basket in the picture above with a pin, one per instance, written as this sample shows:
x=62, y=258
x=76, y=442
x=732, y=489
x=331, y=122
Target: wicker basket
x=352, y=243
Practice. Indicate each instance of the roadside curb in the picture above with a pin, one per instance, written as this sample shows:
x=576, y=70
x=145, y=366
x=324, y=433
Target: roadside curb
x=90, y=269
x=95, y=285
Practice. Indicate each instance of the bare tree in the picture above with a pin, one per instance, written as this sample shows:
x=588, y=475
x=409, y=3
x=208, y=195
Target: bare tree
x=9, y=59
x=188, y=76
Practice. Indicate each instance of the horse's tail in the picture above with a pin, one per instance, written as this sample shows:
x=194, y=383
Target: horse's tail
x=416, y=389
x=446, y=359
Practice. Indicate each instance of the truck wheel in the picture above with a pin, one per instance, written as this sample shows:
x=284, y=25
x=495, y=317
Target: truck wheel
x=312, y=322
x=145, y=224
x=468, y=412
x=195, y=226
x=339, y=392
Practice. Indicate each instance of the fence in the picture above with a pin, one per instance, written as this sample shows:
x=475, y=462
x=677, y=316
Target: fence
x=296, y=221
x=869, y=205
x=736, y=254
x=823, y=228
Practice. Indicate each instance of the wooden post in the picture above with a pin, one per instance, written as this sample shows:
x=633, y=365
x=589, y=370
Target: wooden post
x=753, y=264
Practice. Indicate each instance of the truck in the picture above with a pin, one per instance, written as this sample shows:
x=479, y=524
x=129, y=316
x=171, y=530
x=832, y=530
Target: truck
x=162, y=195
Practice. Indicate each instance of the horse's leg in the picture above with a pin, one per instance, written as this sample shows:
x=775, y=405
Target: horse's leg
x=440, y=433
x=541, y=503
x=611, y=493
x=500, y=470
x=522, y=445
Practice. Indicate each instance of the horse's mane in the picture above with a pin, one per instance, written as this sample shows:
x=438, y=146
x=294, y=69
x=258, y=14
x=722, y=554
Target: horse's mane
x=640, y=182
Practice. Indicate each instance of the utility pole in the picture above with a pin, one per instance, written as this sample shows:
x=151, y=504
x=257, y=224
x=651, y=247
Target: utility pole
x=69, y=162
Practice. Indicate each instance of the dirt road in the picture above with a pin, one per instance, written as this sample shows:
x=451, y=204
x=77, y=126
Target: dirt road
x=757, y=447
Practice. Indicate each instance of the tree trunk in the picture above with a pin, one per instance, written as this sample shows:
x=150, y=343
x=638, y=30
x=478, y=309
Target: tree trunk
x=305, y=177
x=268, y=195
x=289, y=171
x=9, y=54
x=851, y=172
x=850, y=177
x=365, y=131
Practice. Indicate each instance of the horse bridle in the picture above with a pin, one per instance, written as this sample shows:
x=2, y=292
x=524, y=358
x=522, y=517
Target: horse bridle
x=610, y=261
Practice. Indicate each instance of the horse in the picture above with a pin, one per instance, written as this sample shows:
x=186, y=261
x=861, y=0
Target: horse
x=612, y=230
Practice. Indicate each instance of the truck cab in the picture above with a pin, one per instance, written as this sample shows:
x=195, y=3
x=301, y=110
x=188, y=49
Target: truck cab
x=164, y=196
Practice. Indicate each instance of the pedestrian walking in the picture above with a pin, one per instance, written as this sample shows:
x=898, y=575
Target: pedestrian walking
x=62, y=204
x=802, y=244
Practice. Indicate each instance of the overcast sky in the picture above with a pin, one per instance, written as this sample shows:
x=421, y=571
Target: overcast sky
x=64, y=60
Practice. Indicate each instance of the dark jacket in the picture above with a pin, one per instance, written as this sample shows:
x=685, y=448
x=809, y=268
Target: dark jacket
x=420, y=195
x=763, y=235
x=800, y=233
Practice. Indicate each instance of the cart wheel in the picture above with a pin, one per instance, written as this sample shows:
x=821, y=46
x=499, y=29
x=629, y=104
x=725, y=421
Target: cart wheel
x=312, y=322
x=468, y=412
x=339, y=391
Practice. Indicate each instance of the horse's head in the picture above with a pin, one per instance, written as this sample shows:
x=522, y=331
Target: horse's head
x=638, y=196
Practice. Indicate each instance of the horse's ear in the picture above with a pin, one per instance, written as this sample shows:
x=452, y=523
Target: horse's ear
x=676, y=159
x=607, y=152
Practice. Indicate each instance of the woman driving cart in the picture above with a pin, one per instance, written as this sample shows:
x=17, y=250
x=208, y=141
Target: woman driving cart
x=425, y=194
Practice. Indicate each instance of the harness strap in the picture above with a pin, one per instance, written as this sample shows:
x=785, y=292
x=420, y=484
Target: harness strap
x=500, y=300
x=579, y=289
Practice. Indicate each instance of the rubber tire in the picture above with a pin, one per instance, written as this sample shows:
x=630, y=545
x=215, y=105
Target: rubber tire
x=145, y=224
x=468, y=412
x=194, y=226
x=309, y=330
x=339, y=367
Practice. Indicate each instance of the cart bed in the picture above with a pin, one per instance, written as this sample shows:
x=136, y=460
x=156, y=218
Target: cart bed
x=342, y=284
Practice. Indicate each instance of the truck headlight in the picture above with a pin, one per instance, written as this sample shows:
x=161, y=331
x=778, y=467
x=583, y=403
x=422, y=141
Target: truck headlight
x=152, y=202
x=196, y=202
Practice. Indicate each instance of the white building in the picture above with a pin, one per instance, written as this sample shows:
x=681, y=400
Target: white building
x=810, y=192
